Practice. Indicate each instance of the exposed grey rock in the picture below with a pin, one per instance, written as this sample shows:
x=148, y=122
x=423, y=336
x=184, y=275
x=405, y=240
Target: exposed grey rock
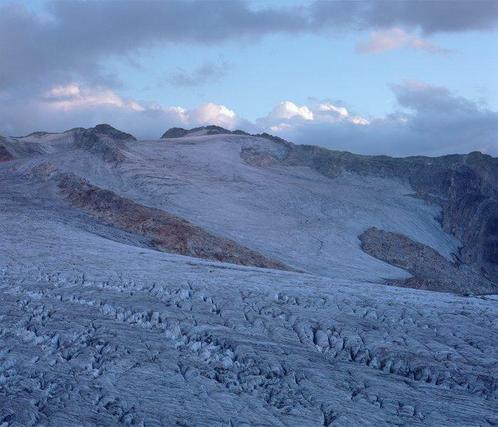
x=430, y=269
x=174, y=133
x=37, y=134
x=108, y=130
x=202, y=130
x=103, y=140
x=5, y=155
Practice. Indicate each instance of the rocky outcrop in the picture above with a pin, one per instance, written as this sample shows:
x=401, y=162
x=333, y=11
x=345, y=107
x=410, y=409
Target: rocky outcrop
x=167, y=232
x=5, y=155
x=37, y=134
x=429, y=268
x=174, y=133
x=464, y=186
x=107, y=130
x=202, y=130
x=102, y=140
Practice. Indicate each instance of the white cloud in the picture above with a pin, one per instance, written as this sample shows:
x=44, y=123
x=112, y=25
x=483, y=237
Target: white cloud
x=72, y=96
x=328, y=107
x=397, y=38
x=216, y=114
x=429, y=120
x=289, y=110
x=287, y=116
x=328, y=112
x=72, y=105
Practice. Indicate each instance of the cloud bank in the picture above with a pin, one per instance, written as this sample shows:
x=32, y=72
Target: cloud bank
x=73, y=37
x=395, y=38
x=429, y=120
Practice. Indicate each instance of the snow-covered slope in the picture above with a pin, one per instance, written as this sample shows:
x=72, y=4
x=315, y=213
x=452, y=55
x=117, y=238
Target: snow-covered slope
x=98, y=328
x=302, y=218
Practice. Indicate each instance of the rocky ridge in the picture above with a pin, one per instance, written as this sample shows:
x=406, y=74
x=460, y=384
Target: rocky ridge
x=464, y=186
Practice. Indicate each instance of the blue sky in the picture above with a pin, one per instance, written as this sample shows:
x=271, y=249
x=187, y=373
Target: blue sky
x=127, y=68
x=258, y=76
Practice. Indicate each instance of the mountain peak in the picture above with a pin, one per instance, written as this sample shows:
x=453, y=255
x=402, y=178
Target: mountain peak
x=106, y=129
x=177, y=132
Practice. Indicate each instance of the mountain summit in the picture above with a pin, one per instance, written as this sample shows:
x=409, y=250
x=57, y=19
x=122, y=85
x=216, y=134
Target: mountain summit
x=176, y=132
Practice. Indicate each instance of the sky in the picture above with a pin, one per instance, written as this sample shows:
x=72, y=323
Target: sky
x=396, y=77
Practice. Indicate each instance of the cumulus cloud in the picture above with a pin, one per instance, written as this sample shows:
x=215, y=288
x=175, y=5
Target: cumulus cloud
x=214, y=114
x=430, y=120
x=396, y=38
x=64, y=107
x=72, y=96
x=287, y=116
x=289, y=110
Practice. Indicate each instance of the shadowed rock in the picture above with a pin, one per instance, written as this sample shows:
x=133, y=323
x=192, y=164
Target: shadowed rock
x=429, y=268
x=105, y=129
x=103, y=140
x=176, y=132
x=202, y=130
x=5, y=155
x=167, y=232
x=37, y=134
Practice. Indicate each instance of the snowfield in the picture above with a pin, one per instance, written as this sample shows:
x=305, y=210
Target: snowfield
x=97, y=328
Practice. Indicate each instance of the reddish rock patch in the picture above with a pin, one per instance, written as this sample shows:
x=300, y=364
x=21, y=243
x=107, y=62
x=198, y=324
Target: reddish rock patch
x=167, y=232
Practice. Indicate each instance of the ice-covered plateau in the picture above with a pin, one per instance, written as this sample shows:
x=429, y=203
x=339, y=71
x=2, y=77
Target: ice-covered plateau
x=212, y=277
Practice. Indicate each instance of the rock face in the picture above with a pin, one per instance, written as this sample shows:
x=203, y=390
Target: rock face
x=108, y=130
x=5, y=155
x=429, y=268
x=198, y=131
x=167, y=232
x=203, y=130
x=174, y=133
x=103, y=140
x=464, y=186
x=37, y=134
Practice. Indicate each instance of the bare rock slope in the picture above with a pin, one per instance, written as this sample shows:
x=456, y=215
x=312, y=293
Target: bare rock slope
x=429, y=268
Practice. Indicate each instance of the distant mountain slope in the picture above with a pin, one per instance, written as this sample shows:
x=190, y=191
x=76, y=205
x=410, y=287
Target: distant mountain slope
x=303, y=207
x=464, y=186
